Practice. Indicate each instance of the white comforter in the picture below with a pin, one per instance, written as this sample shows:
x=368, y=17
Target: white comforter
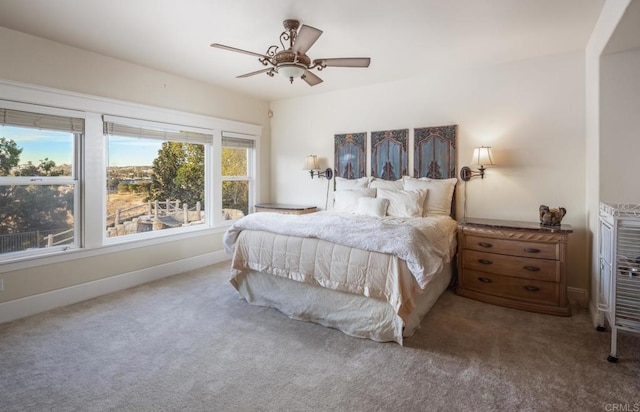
x=426, y=244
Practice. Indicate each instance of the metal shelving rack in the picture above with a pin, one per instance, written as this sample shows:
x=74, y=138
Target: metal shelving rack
x=619, y=285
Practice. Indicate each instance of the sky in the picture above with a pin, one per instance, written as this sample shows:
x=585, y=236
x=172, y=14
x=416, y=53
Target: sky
x=58, y=146
x=126, y=151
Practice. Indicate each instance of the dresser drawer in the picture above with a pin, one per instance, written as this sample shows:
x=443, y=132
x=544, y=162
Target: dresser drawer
x=521, y=267
x=513, y=288
x=512, y=247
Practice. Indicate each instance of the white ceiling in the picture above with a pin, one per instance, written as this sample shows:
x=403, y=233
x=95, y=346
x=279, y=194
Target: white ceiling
x=404, y=38
x=627, y=33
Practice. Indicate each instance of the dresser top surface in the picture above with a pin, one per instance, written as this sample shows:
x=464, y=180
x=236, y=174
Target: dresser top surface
x=471, y=222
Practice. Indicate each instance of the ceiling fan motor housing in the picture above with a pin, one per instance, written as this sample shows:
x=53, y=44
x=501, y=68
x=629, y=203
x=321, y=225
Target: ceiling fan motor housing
x=288, y=56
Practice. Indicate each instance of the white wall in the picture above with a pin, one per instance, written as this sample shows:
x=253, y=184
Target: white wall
x=531, y=112
x=29, y=59
x=610, y=16
x=619, y=125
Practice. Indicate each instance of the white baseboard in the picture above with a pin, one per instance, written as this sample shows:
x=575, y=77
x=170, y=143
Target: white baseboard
x=578, y=297
x=30, y=305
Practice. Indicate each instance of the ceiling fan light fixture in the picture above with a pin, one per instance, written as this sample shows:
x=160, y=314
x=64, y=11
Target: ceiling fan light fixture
x=291, y=70
x=291, y=61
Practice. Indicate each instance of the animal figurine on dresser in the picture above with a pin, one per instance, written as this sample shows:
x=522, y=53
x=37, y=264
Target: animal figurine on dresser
x=551, y=216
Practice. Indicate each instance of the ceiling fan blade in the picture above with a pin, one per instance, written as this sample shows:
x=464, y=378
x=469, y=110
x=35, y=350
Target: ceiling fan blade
x=233, y=49
x=254, y=73
x=344, y=62
x=305, y=39
x=311, y=78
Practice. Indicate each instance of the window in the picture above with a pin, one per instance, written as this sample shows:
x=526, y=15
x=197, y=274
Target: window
x=237, y=170
x=39, y=191
x=155, y=177
x=73, y=181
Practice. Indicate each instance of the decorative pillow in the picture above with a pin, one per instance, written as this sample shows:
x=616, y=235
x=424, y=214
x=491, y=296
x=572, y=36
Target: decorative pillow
x=347, y=200
x=404, y=203
x=372, y=206
x=352, y=184
x=386, y=184
x=440, y=194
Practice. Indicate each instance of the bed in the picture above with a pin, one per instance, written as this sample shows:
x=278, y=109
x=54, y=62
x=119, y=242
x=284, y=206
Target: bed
x=372, y=267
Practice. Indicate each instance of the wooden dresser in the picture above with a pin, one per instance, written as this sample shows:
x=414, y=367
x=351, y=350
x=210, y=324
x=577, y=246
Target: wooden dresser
x=521, y=265
x=285, y=209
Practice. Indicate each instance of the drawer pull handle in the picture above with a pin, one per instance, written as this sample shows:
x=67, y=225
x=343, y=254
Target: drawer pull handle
x=531, y=288
x=531, y=250
x=485, y=261
x=531, y=268
x=485, y=280
x=484, y=244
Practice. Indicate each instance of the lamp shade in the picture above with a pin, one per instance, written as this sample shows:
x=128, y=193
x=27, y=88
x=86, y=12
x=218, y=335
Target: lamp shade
x=482, y=156
x=311, y=163
x=291, y=70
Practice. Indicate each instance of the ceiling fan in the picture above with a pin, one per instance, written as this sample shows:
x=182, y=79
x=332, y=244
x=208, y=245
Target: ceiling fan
x=292, y=61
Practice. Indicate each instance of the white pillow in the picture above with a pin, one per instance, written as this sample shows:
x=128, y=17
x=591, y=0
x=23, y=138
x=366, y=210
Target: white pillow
x=404, y=203
x=372, y=206
x=347, y=200
x=386, y=184
x=440, y=194
x=352, y=184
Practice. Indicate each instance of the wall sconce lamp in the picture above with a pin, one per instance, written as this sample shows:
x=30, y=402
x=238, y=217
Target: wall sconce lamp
x=481, y=156
x=311, y=164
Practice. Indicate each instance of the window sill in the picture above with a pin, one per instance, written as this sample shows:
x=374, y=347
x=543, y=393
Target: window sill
x=58, y=256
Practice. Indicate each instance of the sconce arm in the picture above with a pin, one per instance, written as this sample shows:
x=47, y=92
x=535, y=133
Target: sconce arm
x=327, y=174
x=466, y=173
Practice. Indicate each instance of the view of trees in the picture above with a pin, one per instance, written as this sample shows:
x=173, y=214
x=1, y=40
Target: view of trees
x=9, y=156
x=31, y=208
x=235, y=193
x=178, y=173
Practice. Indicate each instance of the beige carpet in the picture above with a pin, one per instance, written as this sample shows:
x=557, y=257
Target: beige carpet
x=188, y=343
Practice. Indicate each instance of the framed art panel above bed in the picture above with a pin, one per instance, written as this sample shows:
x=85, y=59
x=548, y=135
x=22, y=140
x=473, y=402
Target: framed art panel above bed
x=350, y=155
x=434, y=152
x=389, y=154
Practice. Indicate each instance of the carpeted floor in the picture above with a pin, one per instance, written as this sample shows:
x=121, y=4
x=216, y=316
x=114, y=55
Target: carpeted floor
x=188, y=343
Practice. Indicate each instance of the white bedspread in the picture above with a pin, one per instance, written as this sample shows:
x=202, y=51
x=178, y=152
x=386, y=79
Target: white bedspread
x=424, y=243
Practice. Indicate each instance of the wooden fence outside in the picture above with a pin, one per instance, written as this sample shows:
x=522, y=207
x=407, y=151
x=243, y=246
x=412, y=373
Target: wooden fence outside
x=16, y=242
x=152, y=211
x=152, y=208
x=153, y=215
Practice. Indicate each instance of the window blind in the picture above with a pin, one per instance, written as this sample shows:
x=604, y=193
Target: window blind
x=237, y=142
x=124, y=130
x=11, y=117
x=144, y=129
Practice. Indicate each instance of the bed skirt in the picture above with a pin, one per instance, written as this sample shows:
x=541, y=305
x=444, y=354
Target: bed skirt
x=355, y=315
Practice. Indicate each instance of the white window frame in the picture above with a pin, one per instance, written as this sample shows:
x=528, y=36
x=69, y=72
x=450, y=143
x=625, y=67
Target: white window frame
x=172, y=128
x=74, y=180
x=250, y=177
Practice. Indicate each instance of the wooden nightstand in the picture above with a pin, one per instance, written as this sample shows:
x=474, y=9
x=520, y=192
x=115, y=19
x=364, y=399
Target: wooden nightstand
x=285, y=209
x=520, y=265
